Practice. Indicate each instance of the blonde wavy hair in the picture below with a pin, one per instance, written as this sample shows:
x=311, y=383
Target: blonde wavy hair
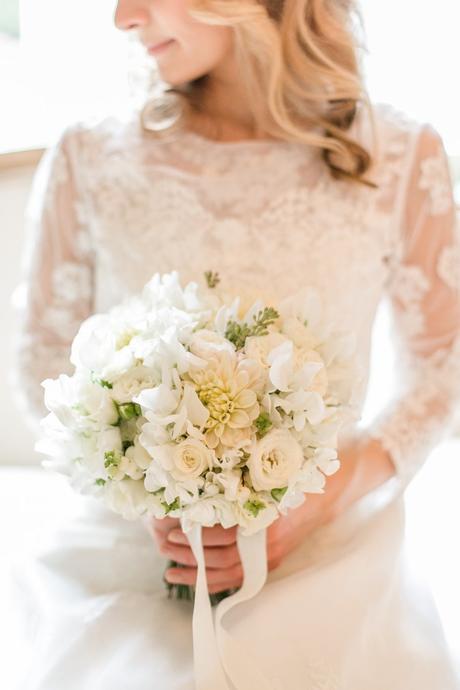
x=299, y=61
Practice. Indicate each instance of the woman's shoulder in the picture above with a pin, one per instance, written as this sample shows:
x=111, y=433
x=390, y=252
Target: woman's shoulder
x=94, y=136
x=393, y=134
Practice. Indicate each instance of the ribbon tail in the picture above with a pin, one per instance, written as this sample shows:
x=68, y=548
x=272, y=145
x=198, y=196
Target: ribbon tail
x=208, y=670
x=236, y=659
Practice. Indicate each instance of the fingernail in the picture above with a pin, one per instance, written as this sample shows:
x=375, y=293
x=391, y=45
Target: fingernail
x=177, y=537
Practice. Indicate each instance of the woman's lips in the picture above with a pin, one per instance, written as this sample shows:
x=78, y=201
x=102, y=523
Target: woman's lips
x=159, y=47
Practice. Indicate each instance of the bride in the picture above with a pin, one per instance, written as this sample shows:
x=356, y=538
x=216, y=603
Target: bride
x=265, y=159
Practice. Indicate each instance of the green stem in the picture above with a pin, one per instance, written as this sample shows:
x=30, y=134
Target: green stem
x=177, y=591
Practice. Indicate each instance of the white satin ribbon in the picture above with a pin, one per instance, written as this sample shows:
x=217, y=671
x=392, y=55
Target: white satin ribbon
x=220, y=663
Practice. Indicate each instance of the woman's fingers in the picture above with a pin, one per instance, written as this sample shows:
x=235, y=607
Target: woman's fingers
x=215, y=557
x=220, y=579
x=211, y=536
x=165, y=524
x=218, y=535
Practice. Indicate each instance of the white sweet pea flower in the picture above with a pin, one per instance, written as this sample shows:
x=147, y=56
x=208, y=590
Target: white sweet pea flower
x=310, y=479
x=208, y=512
x=230, y=482
x=251, y=523
x=161, y=400
x=127, y=498
x=281, y=361
x=327, y=460
x=137, y=454
x=296, y=330
x=204, y=343
x=274, y=460
x=303, y=406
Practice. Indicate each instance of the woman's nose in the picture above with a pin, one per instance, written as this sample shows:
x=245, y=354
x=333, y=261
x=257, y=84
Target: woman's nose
x=130, y=14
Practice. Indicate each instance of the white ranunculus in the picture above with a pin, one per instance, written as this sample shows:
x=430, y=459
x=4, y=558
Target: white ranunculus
x=274, y=460
x=204, y=343
x=132, y=382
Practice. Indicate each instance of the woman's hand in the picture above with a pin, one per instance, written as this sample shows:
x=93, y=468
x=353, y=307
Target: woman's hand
x=223, y=564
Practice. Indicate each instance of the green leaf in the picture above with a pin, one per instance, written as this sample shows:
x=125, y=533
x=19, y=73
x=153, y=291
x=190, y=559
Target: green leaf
x=100, y=482
x=278, y=493
x=238, y=332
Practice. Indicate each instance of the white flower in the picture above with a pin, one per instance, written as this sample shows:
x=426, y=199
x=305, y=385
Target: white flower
x=161, y=400
x=190, y=459
x=304, y=406
x=132, y=382
x=327, y=460
x=127, y=497
x=227, y=387
x=251, y=524
x=310, y=479
x=208, y=512
x=258, y=347
x=230, y=482
x=292, y=368
x=137, y=454
x=274, y=460
x=205, y=342
x=185, y=460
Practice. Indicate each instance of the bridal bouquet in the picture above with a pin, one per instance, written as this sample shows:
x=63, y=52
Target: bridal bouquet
x=185, y=404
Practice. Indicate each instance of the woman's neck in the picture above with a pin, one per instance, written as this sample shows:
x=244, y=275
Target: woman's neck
x=224, y=113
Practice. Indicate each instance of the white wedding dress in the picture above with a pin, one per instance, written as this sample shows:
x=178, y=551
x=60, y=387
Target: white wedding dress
x=109, y=207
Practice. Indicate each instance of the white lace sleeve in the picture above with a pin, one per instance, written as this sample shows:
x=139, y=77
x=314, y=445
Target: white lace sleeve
x=55, y=291
x=424, y=292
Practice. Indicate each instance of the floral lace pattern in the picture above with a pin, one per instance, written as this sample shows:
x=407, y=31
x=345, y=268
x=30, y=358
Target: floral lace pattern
x=433, y=179
x=109, y=207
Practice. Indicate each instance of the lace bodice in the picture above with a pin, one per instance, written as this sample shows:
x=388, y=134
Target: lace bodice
x=110, y=205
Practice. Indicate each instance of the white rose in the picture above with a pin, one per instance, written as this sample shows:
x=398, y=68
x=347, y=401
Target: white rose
x=190, y=458
x=274, y=460
x=204, y=343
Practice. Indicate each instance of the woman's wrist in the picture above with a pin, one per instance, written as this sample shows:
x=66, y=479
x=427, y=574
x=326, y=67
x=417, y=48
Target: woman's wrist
x=365, y=465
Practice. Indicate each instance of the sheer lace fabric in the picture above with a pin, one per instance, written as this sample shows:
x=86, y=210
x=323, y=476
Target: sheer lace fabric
x=109, y=207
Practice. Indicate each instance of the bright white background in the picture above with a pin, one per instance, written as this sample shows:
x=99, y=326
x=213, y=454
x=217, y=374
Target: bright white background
x=72, y=63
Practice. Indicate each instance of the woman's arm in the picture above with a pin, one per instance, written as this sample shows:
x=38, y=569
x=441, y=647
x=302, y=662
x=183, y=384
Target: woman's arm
x=56, y=289
x=424, y=291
